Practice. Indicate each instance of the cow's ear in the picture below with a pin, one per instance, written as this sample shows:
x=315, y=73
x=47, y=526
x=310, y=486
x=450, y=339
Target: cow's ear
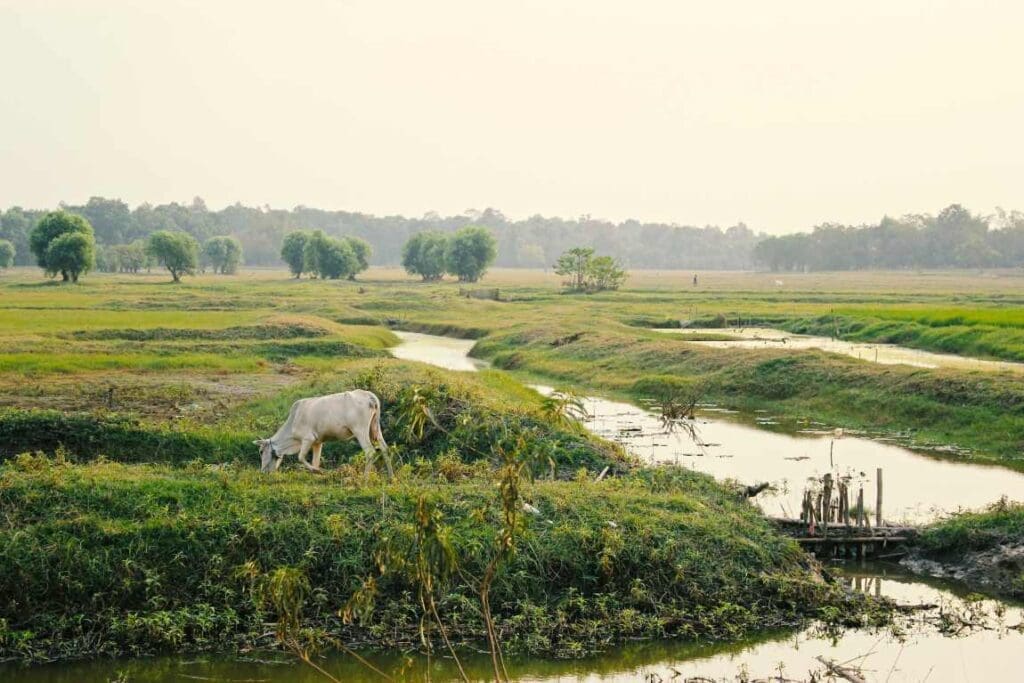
x=258, y=442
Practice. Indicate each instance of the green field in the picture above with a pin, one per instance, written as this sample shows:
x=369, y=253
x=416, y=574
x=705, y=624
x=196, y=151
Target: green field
x=143, y=525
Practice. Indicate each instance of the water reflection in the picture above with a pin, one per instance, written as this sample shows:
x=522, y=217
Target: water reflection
x=917, y=487
x=919, y=648
x=885, y=354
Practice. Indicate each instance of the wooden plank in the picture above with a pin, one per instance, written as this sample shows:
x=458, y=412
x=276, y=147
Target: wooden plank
x=812, y=540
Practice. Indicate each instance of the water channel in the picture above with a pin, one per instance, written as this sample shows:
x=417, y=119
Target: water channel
x=886, y=354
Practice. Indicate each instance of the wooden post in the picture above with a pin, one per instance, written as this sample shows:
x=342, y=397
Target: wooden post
x=878, y=498
x=827, y=497
x=860, y=507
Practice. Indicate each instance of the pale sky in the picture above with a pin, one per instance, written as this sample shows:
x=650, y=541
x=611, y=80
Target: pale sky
x=781, y=114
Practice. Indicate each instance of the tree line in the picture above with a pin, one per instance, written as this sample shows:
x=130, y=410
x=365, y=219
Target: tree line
x=64, y=243
x=535, y=242
x=955, y=238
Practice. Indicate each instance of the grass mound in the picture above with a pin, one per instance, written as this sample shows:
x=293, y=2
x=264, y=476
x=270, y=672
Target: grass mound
x=427, y=415
x=106, y=559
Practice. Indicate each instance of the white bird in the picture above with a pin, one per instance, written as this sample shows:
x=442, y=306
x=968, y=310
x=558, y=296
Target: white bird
x=532, y=510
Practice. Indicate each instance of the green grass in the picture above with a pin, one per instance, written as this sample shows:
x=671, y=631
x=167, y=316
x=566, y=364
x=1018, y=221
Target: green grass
x=47, y=363
x=1002, y=522
x=107, y=559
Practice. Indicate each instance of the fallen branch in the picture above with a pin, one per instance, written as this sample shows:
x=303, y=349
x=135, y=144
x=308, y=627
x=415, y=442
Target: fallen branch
x=846, y=673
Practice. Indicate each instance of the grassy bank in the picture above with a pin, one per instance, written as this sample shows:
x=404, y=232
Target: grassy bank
x=982, y=412
x=106, y=558
x=984, y=549
x=427, y=415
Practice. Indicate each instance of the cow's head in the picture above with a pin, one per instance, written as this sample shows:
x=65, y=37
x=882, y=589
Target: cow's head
x=270, y=460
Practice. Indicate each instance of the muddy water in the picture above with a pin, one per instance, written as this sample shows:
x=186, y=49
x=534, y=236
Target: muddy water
x=444, y=352
x=917, y=487
x=886, y=354
x=989, y=651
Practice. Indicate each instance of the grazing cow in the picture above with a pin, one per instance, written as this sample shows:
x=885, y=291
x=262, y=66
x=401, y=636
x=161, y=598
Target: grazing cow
x=336, y=417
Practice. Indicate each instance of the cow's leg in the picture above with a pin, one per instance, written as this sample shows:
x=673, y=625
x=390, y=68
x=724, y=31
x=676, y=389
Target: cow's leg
x=303, y=449
x=317, y=448
x=363, y=436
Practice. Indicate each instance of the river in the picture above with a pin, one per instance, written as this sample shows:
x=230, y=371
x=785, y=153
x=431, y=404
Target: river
x=918, y=486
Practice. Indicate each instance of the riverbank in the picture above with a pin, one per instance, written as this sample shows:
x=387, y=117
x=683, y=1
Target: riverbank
x=926, y=408
x=984, y=549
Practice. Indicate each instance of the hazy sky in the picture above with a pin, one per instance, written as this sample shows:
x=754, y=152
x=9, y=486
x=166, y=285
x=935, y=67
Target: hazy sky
x=780, y=114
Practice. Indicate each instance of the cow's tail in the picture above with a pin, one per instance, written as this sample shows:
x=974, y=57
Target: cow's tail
x=376, y=435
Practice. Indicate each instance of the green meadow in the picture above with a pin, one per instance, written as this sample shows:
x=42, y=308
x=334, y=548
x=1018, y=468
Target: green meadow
x=133, y=517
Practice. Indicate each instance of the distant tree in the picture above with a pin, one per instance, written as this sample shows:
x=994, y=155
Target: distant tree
x=606, y=273
x=110, y=218
x=589, y=273
x=177, y=251
x=107, y=260
x=424, y=255
x=6, y=254
x=15, y=226
x=72, y=254
x=315, y=245
x=132, y=257
x=575, y=264
x=469, y=253
x=362, y=250
x=223, y=253
x=329, y=258
x=293, y=251
x=51, y=227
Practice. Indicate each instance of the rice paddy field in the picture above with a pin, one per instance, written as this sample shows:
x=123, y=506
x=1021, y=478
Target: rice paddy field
x=134, y=520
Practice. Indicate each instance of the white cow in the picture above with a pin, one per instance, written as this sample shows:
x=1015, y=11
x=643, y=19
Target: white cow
x=335, y=417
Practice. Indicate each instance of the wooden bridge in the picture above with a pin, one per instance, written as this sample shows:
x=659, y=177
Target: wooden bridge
x=837, y=540
x=832, y=525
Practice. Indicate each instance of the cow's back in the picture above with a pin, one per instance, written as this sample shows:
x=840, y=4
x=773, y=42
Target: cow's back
x=335, y=415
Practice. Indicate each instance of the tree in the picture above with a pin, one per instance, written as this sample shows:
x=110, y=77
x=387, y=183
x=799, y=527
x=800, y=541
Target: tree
x=6, y=254
x=293, y=251
x=177, y=251
x=53, y=226
x=362, y=250
x=132, y=257
x=424, y=255
x=72, y=254
x=606, y=273
x=328, y=257
x=15, y=226
x=469, y=253
x=223, y=253
x=107, y=259
x=110, y=218
x=575, y=264
x=589, y=273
